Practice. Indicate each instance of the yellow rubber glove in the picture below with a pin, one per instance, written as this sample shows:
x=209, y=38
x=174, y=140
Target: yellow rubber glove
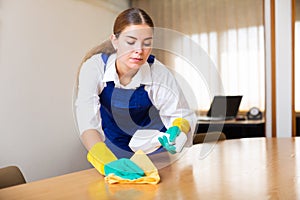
x=182, y=124
x=99, y=155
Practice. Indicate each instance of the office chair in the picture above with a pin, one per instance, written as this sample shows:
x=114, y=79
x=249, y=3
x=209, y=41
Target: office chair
x=200, y=137
x=10, y=176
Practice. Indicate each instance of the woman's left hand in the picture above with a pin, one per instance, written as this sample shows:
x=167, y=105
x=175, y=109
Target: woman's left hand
x=177, y=136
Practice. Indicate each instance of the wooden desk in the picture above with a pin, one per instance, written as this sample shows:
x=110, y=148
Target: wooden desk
x=234, y=129
x=251, y=168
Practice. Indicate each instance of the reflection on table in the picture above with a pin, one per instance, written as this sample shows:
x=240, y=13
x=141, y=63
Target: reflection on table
x=251, y=168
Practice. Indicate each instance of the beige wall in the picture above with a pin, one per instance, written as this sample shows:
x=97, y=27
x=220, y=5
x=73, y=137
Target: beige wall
x=41, y=45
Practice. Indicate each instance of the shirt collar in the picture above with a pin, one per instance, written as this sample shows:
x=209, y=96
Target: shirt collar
x=142, y=77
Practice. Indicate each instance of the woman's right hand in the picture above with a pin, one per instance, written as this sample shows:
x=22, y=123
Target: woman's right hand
x=103, y=159
x=100, y=155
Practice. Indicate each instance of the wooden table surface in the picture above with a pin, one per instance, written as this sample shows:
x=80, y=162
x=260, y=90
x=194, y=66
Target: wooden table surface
x=252, y=168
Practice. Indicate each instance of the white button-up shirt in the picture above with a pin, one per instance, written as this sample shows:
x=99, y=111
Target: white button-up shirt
x=160, y=85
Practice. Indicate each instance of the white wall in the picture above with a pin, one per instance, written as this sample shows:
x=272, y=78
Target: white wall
x=268, y=73
x=41, y=45
x=283, y=69
x=283, y=29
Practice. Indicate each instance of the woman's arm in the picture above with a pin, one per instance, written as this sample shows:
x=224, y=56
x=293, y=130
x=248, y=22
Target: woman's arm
x=167, y=96
x=90, y=137
x=87, y=102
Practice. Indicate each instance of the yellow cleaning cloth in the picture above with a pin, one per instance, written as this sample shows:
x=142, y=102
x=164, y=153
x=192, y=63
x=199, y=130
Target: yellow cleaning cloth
x=143, y=161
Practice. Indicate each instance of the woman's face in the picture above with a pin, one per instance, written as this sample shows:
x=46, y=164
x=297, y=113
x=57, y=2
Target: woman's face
x=133, y=46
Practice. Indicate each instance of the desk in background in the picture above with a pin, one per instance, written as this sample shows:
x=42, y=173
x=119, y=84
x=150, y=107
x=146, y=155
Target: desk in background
x=234, y=129
x=298, y=125
x=250, y=168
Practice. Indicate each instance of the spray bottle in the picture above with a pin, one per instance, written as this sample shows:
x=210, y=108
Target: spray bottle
x=147, y=140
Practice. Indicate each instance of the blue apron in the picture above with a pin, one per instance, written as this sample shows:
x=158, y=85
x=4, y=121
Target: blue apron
x=123, y=112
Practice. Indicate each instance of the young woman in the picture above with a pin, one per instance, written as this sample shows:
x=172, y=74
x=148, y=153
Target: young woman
x=122, y=89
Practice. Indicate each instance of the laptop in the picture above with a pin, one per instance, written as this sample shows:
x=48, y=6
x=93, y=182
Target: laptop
x=223, y=108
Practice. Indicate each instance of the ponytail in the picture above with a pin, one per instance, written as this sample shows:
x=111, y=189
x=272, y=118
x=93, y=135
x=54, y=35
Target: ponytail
x=106, y=47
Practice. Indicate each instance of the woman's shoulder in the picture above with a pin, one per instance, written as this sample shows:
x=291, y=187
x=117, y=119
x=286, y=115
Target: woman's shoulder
x=95, y=59
x=93, y=65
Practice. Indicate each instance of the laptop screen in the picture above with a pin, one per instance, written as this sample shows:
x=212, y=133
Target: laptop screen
x=225, y=106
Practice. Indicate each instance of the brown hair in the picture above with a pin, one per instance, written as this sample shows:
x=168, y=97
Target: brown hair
x=131, y=16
